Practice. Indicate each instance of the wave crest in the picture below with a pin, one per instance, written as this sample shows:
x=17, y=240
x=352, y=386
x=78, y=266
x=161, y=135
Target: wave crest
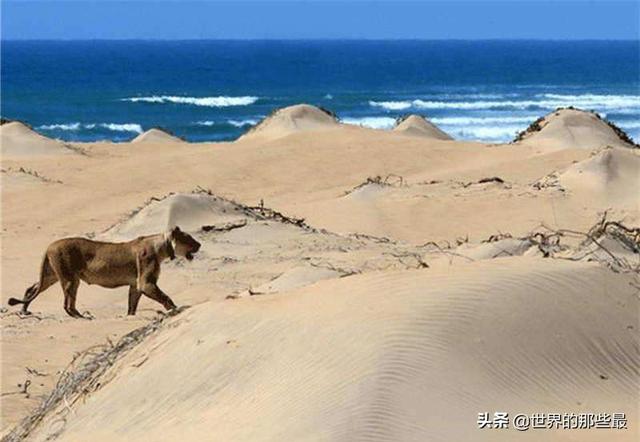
x=221, y=101
x=485, y=133
x=545, y=101
x=392, y=105
x=116, y=127
x=127, y=127
x=69, y=126
x=372, y=122
x=234, y=123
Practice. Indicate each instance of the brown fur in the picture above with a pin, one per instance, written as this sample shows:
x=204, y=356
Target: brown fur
x=135, y=263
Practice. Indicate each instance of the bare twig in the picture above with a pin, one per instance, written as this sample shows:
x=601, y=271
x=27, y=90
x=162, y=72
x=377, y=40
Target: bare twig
x=82, y=376
x=35, y=372
x=225, y=227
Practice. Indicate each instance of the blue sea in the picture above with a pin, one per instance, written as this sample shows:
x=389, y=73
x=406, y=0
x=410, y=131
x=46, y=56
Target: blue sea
x=215, y=90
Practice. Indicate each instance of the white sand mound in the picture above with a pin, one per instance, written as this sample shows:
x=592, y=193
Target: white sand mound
x=18, y=139
x=496, y=249
x=295, y=278
x=292, y=119
x=571, y=128
x=388, y=356
x=188, y=211
x=613, y=174
x=419, y=126
x=367, y=191
x=156, y=135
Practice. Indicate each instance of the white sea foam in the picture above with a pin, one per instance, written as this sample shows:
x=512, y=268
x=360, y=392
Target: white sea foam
x=391, y=105
x=593, y=100
x=629, y=124
x=221, y=101
x=372, y=122
x=126, y=127
x=243, y=123
x=544, y=101
x=468, y=121
x=236, y=123
x=484, y=133
x=69, y=126
x=634, y=133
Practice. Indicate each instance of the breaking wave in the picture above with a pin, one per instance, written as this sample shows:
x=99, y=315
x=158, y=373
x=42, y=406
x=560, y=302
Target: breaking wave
x=372, y=122
x=116, y=127
x=221, y=101
x=483, y=133
x=70, y=126
x=234, y=123
x=127, y=127
x=543, y=101
x=467, y=121
x=243, y=123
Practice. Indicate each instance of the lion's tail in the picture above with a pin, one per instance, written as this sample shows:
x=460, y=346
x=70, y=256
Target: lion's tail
x=15, y=301
x=33, y=290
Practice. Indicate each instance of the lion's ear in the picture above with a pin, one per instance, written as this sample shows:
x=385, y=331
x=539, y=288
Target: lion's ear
x=176, y=229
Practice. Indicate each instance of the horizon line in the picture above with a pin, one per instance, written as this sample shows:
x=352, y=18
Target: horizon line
x=349, y=39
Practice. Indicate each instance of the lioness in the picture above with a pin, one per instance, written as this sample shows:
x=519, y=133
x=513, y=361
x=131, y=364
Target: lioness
x=135, y=263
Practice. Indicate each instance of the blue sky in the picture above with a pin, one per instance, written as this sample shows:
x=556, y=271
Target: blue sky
x=355, y=19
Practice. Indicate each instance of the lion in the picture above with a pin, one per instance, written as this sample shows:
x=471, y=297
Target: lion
x=135, y=263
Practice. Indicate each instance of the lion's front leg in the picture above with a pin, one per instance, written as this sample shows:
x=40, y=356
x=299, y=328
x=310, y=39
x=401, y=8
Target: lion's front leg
x=148, y=264
x=153, y=291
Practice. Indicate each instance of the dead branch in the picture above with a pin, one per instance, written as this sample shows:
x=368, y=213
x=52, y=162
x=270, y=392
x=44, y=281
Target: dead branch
x=24, y=389
x=494, y=179
x=82, y=376
x=401, y=256
x=498, y=237
x=378, y=239
x=35, y=372
x=330, y=266
x=391, y=180
x=446, y=251
x=224, y=227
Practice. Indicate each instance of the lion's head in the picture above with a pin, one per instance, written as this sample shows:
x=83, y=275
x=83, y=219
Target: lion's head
x=183, y=243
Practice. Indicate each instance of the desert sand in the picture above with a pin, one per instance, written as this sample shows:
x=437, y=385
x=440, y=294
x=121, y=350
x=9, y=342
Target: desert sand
x=156, y=135
x=420, y=126
x=353, y=284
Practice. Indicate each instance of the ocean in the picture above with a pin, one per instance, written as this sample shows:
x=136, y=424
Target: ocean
x=216, y=90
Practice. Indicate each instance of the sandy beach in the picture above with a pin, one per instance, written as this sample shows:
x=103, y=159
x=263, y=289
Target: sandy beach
x=353, y=284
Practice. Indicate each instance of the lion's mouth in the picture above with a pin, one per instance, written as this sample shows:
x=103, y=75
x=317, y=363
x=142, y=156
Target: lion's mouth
x=189, y=256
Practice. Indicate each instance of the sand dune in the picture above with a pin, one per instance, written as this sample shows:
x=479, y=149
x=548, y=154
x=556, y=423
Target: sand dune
x=612, y=174
x=572, y=128
x=18, y=139
x=391, y=356
x=298, y=118
x=295, y=278
x=420, y=126
x=188, y=211
x=410, y=299
x=496, y=249
x=156, y=135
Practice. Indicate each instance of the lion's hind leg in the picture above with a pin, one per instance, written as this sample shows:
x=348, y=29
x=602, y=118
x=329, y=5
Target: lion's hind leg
x=70, y=288
x=69, y=282
x=134, y=298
